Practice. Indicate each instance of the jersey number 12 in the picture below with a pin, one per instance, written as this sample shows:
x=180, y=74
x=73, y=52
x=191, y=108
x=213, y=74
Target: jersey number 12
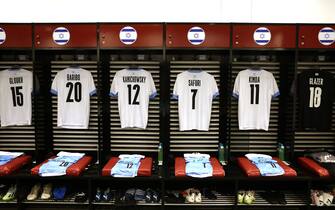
x=315, y=97
x=135, y=101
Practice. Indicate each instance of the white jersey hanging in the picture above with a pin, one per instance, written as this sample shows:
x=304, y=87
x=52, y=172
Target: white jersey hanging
x=16, y=86
x=254, y=90
x=195, y=90
x=133, y=87
x=73, y=86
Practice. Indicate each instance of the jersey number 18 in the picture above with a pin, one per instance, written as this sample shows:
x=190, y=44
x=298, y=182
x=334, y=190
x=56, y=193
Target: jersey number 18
x=315, y=97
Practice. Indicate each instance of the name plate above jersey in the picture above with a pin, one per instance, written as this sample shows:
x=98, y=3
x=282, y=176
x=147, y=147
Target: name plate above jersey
x=131, y=35
x=15, y=36
x=197, y=35
x=65, y=36
x=317, y=36
x=264, y=36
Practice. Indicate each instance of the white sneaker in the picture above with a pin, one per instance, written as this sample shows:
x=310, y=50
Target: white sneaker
x=327, y=199
x=35, y=190
x=190, y=197
x=11, y=194
x=197, y=198
x=319, y=200
x=46, y=194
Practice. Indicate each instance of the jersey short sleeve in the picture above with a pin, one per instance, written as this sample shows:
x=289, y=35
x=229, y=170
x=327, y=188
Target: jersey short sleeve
x=214, y=87
x=175, y=93
x=236, y=89
x=91, y=85
x=274, y=91
x=152, y=88
x=115, y=85
x=54, y=85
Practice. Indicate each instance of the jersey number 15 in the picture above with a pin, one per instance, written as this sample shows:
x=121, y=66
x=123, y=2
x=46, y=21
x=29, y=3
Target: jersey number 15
x=17, y=96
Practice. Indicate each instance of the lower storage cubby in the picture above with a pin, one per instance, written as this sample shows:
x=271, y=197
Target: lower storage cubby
x=126, y=192
x=322, y=194
x=209, y=193
x=48, y=192
x=272, y=193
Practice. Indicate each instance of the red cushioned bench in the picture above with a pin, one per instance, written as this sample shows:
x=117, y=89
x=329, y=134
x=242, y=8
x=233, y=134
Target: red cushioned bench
x=180, y=167
x=75, y=169
x=14, y=164
x=312, y=166
x=144, y=169
x=252, y=171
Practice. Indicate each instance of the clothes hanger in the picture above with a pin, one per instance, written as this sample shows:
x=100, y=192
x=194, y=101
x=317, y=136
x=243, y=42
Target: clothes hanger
x=195, y=69
x=15, y=68
x=75, y=66
x=133, y=67
x=255, y=67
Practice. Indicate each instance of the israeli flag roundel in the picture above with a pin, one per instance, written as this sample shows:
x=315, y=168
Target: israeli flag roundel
x=196, y=35
x=262, y=36
x=128, y=35
x=326, y=36
x=61, y=36
x=2, y=36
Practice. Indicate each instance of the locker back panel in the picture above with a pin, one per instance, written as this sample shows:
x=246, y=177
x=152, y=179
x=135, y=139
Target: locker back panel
x=308, y=140
x=245, y=141
x=18, y=138
x=194, y=141
x=76, y=139
x=133, y=139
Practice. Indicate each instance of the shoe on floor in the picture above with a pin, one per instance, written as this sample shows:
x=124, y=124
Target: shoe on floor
x=327, y=198
x=46, y=193
x=197, y=195
x=240, y=196
x=11, y=194
x=80, y=197
x=148, y=195
x=3, y=191
x=59, y=192
x=190, y=195
x=107, y=195
x=98, y=195
x=155, y=196
x=249, y=197
x=35, y=191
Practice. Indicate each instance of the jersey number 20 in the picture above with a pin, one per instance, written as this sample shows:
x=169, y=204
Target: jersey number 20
x=76, y=88
x=315, y=97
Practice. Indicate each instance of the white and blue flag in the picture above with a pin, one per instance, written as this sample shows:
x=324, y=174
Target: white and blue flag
x=2, y=36
x=262, y=36
x=196, y=35
x=326, y=36
x=128, y=35
x=61, y=36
